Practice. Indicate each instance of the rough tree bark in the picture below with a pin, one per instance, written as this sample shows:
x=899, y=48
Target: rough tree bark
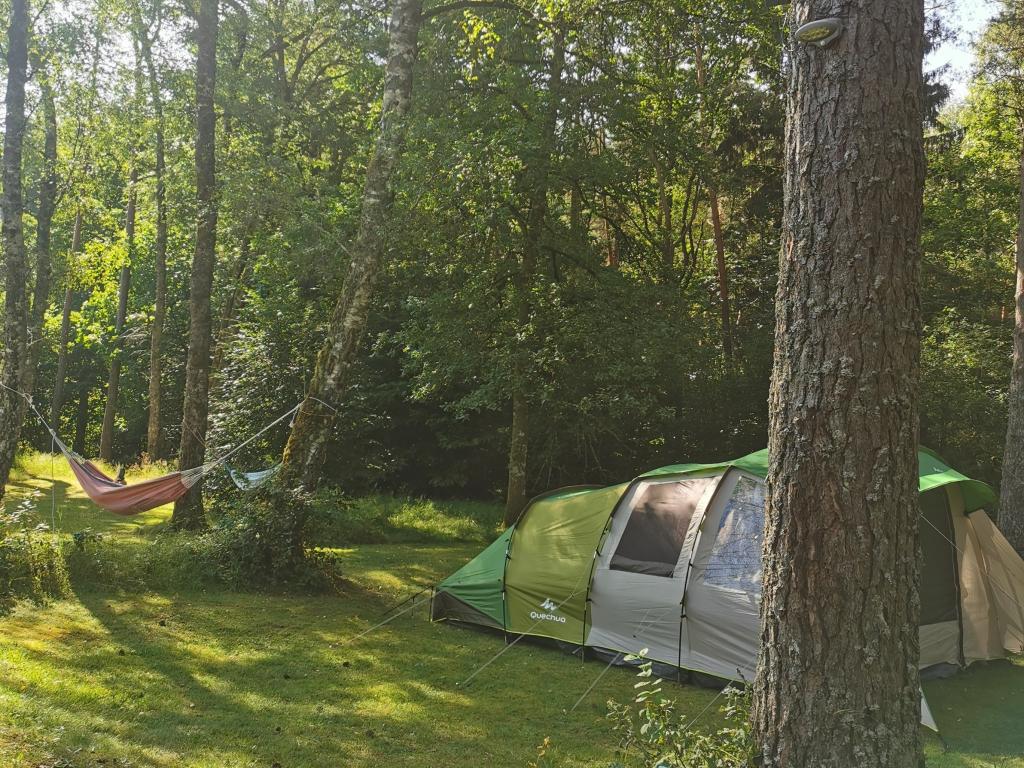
x=1011, y=488
x=160, y=244
x=304, y=453
x=538, y=182
x=44, y=225
x=837, y=682
x=57, y=403
x=123, y=286
x=15, y=258
x=188, y=510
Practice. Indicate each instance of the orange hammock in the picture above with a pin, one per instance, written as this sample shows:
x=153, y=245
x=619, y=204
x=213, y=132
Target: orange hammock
x=129, y=499
x=139, y=497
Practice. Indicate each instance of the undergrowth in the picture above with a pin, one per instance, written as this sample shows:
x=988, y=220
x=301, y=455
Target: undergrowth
x=256, y=546
x=266, y=540
x=653, y=733
x=340, y=521
x=32, y=563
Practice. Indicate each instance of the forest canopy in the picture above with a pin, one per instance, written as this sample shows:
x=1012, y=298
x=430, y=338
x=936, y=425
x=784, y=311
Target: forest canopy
x=639, y=331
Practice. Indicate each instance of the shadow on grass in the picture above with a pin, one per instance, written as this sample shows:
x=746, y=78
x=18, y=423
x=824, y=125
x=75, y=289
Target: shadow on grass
x=980, y=710
x=240, y=680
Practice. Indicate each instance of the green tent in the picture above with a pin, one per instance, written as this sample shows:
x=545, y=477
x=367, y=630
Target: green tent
x=671, y=563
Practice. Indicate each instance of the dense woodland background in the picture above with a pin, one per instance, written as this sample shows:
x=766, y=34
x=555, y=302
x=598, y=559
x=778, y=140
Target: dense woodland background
x=648, y=319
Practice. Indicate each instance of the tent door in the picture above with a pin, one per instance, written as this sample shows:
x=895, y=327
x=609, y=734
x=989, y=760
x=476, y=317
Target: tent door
x=723, y=592
x=941, y=627
x=640, y=570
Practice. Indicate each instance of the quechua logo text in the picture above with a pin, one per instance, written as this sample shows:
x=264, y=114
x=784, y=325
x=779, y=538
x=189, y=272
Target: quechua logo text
x=549, y=608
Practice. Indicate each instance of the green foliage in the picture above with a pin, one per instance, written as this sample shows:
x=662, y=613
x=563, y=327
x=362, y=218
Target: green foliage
x=654, y=733
x=257, y=543
x=662, y=102
x=338, y=521
x=32, y=560
x=260, y=543
x=965, y=369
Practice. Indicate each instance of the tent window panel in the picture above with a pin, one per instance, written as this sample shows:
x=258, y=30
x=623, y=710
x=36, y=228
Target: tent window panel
x=938, y=564
x=654, y=535
x=735, y=560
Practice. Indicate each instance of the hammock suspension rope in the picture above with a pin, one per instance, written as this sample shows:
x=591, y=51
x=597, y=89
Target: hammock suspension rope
x=148, y=494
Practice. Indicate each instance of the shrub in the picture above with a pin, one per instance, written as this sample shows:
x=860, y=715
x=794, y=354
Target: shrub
x=32, y=562
x=256, y=542
x=262, y=541
x=652, y=734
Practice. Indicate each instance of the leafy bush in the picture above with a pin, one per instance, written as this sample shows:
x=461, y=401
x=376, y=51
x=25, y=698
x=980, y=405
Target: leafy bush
x=174, y=561
x=262, y=542
x=965, y=372
x=255, y=543
x=653, y=735
x=32, y=564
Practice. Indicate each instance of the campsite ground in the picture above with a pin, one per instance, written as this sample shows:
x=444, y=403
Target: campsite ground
x=118, y=677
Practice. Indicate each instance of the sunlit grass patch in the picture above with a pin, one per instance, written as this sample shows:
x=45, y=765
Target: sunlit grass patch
x=167, y=671
x=61, y=503
x=376, y=519
x=238, y=680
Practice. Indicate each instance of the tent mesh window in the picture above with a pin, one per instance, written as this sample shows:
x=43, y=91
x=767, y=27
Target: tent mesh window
x=658, y=521
x=938, y=567
x=735, y=560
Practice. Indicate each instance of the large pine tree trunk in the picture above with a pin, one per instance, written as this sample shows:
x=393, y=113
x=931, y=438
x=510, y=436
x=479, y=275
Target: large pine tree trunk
x=188, y=510
x=57, y=404
x=1011, y=489
x=837, y=682
x=538, y=180
x=160, y=243
x=15, y=258
x=123, y=286
x=44, y=225
x=304, y=453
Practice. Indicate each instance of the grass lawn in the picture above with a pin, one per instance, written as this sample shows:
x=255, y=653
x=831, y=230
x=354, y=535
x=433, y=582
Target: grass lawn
x=216, y=679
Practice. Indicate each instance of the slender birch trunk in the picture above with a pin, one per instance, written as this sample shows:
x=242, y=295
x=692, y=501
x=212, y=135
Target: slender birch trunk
x=539, y=183
x=57, y=404
x=44, y=226
x=156, y=332
x=722, y=270
x=123, y=287
x=721, y=267
x=307, y=443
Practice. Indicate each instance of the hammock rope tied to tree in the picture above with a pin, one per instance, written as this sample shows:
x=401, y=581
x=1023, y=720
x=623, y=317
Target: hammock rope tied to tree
x=133, y=499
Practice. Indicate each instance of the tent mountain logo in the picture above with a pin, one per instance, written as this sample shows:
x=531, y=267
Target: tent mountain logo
x=549, y=606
